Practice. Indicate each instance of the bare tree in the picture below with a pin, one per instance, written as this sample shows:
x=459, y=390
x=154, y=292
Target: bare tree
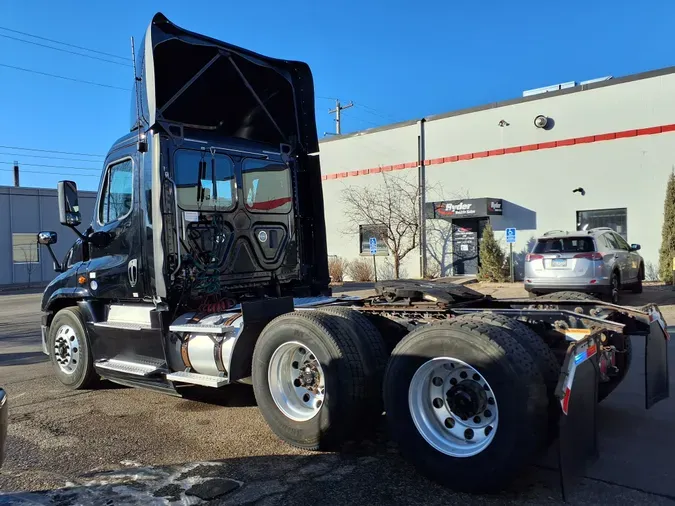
x=391, y=203
x=29, y=257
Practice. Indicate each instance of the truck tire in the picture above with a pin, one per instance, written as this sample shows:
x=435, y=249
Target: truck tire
x=69, y=350
x=624, y=361
x=568, y=295
x=440, y=379
x=317, y=407
x=391, y=331
x=543, y=356
x=371, y=347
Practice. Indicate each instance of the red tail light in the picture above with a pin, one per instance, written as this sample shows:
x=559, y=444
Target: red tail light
x=533, y=256
x=589, y=256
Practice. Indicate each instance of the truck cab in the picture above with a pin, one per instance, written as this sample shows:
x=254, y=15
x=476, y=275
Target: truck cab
x=211, y=199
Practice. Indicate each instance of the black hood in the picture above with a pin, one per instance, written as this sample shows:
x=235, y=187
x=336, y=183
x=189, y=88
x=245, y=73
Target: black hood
x=195, y=80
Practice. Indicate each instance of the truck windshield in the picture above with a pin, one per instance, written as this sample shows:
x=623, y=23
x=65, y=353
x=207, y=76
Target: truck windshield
x=267, y=186
x=204, y=181
x=565, y=245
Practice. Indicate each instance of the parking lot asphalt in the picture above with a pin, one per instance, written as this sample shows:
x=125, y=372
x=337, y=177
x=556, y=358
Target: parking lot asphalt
x=120, y=445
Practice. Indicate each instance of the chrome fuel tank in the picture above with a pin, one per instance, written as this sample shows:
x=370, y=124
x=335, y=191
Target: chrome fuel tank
x=204, y=352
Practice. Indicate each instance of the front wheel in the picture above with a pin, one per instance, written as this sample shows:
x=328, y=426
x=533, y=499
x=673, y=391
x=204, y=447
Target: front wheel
x=637, y=287
x=69, y=350
x=466, y=404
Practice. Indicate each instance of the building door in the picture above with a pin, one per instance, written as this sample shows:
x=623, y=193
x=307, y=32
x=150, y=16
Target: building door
x=465, y=247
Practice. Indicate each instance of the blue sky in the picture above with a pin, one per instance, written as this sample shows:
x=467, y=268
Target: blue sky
x=396, y=60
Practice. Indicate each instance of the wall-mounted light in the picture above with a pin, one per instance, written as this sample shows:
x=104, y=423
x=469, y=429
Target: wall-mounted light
x=541, y=121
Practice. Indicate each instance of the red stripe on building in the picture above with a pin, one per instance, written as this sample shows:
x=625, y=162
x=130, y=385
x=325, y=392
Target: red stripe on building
x=626, y=133
x=584, y=140
x=649, y=131
x=507, y=151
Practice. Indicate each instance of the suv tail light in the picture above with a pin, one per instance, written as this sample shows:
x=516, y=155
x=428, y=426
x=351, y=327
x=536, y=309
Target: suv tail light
x=589, y=256
x=533, y=256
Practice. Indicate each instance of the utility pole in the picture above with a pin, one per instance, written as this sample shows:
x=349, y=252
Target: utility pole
x=16, y=174
x=337, y=110
x=421, y=181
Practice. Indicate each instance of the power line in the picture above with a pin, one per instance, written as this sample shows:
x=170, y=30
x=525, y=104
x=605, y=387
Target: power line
x=48, y=157
x=53, y=166
x=375, y=112
x=49, y=173
x=51, y=151
x=63, y=77
x=64, y=50
x=63, y=43
x=362, y=120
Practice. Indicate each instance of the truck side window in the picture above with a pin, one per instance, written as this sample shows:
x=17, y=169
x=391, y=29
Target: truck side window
x=116, y=197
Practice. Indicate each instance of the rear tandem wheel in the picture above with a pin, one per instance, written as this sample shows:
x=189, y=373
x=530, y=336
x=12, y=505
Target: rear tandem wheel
x=622, y=343
x=538, y=350
x=309, y=381
x=466, y=403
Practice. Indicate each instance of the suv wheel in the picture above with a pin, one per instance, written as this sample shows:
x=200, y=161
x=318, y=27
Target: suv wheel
x=637, y=287
x=615, y=286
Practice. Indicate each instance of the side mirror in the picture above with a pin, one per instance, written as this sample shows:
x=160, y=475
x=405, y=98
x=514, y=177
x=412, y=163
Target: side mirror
x=635, y=247
x=69, y=209
x=47, y=238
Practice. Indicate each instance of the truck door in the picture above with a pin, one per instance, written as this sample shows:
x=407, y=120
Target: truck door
x=115, y=255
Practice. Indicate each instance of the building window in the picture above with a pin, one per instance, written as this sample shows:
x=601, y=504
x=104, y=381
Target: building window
x=117, y=192
x=25, y=249
x=616, y=219
x=379, y=232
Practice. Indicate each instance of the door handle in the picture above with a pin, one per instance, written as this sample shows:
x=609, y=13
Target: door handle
x=132, y=272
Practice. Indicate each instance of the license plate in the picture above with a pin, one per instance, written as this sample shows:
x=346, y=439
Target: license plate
x=559, y=262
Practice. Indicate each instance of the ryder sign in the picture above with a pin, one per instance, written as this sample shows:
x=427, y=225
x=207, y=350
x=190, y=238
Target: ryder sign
x=467, y=208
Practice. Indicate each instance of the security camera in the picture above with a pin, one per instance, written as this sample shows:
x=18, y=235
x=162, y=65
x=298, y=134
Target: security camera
x=579, y=190
x=541, y=121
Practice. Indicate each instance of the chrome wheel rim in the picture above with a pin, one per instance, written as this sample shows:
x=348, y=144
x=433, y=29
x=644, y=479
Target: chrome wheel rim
x=453, y=407
x=296, y=381
x=66, y=349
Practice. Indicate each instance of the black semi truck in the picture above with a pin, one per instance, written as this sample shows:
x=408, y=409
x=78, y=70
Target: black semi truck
x=205, y=263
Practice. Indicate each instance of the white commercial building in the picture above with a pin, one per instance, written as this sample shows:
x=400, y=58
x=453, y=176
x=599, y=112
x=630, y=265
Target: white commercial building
x=516, y=164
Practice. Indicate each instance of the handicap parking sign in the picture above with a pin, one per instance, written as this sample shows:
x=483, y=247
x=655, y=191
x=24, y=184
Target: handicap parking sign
x=373, y=245
x=510, y=235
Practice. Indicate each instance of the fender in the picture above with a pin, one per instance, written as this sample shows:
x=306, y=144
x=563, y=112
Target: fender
x=54, y=299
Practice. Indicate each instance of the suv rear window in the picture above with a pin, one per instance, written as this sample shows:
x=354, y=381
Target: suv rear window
x=565, y=245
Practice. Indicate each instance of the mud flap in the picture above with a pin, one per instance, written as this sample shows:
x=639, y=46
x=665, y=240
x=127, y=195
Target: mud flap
x=656, y=360
x=257, y=314
x=577, y=391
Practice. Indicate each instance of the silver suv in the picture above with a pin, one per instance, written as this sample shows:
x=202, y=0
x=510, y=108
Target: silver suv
x=597, y=261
